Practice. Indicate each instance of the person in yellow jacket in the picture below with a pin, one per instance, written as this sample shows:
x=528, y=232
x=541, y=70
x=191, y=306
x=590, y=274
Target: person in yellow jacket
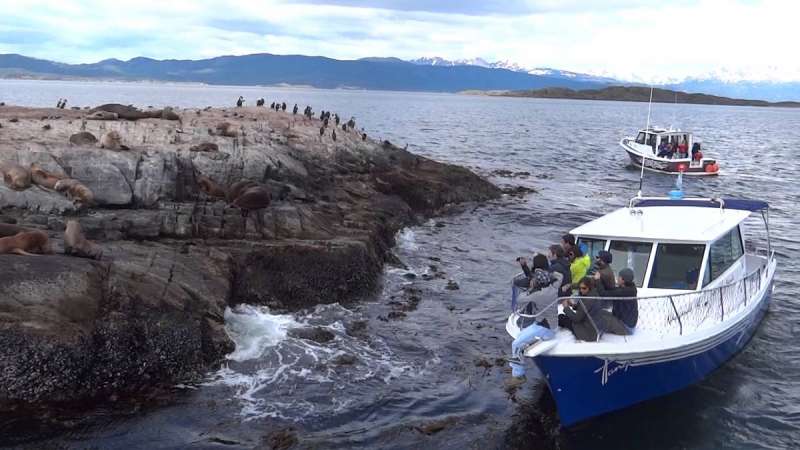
x=578, y=267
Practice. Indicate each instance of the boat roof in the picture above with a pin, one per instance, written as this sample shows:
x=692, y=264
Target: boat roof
x=653, y=130
x=673, y=220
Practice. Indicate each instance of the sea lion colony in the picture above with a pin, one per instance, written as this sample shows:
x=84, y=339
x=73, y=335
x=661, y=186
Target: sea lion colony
x=245, y=195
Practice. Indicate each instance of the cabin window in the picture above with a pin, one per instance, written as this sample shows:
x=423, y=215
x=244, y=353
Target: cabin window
x=651, y=140
x=591, y=246
x=634, y=255
x=723, y=253
x=640, y=138
x=677, y=266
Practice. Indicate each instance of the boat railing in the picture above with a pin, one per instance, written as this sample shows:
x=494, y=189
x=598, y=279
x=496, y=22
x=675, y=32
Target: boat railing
x=678, y=314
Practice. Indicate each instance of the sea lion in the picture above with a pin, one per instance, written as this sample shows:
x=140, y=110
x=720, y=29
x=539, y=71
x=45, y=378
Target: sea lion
x=102, y=115
x=112, y=141
x=204, y=147
x=26, y=243
x=15, y=176
x=237, y=188
x=253, y=197
x=75, y=191
x=210, y=188
x=76, y=244
x=44, y=178
x=127, y=112
x=169, y=114
x=227, y=129
x=83, y=138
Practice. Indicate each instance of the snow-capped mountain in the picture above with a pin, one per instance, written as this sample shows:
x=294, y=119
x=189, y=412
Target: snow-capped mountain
x=510, y=65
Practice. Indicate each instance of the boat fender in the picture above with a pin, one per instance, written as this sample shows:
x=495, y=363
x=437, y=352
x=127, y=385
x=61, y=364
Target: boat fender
x=712, y=168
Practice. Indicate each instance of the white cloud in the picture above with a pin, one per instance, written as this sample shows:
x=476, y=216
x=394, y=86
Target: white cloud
x=646, y=41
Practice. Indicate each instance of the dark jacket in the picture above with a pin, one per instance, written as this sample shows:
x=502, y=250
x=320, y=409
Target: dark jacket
x=607, y=278
x=561, y=265
x=625, y=310
x=579, y=314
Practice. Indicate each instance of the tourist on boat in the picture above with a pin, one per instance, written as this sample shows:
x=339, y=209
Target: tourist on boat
x=543, y=304
x=567, y=242
x=683, y=149
x=663, y=149
x=602, y=267
x=559, y=263
x=585, y=316
x=578, y=265
x=697, y=155
x=625, y=310
x=525, y=281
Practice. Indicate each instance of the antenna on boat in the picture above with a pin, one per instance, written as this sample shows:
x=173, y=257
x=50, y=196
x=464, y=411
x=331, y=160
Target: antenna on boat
x=646, y=129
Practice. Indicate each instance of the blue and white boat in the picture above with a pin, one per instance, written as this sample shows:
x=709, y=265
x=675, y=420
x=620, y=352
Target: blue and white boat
x=704, y=273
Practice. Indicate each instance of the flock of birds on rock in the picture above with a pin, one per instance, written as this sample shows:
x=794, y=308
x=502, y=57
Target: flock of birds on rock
x=325, y=117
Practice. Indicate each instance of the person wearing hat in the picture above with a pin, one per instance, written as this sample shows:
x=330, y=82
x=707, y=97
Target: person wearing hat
x=627, y=311
x=602, y=270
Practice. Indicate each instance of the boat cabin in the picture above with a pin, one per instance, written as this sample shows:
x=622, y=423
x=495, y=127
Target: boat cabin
x=674, y=249
x=653, y=137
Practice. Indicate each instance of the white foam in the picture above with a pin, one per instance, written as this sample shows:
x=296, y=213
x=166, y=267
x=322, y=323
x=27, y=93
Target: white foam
x=406, y=239
x=253, y=329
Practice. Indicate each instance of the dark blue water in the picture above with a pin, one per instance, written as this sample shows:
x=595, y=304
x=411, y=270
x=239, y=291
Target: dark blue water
x=430, y=364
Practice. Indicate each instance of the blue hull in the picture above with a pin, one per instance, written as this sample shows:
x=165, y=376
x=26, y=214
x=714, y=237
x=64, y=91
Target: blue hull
x=585, y=387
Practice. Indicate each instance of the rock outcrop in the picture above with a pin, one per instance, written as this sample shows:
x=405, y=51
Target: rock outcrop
x=151, y=310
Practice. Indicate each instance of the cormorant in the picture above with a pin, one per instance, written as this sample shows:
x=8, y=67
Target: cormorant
x=240, y=102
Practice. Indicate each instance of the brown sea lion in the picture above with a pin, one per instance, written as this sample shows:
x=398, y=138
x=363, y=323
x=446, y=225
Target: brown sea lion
x=44, y=178
x=76, y=244
x=83, y=138
x=210, y=188
x=204, y=147
x=15, y=176
x=253, y=197
x=75, y=191
x=102, y=115
x=237, y=188
x=122, y=111
x=227, y=129
x=112, y=141
x=26, y=243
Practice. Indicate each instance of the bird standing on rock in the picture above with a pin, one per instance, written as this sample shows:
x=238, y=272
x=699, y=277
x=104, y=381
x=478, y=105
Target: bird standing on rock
x=321, y=131
x=283, y=106
x=240, y=102
x=333, y=135
x=294, y=110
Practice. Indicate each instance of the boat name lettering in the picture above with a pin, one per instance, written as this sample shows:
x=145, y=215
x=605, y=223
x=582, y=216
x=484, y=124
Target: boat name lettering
x=606, y=370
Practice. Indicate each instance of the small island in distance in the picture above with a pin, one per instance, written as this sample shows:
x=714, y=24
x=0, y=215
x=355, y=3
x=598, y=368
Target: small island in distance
x=632, y=94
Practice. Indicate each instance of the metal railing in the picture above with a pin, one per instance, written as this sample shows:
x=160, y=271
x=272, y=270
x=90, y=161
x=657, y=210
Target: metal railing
x=677, y=314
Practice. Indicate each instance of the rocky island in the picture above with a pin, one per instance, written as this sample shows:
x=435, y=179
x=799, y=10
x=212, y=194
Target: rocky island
x=182, y=213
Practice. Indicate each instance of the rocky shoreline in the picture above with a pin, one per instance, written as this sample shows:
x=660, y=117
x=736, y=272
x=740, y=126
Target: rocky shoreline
x=150, y=312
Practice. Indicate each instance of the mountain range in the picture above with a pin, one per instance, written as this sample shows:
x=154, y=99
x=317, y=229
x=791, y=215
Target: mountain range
x=423, y=74
x=721, y=83
x=316, y=71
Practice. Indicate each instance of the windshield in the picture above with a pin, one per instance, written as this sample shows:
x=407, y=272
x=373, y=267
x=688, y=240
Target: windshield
x=633, y=255
x=591, y=246
x=677, y=266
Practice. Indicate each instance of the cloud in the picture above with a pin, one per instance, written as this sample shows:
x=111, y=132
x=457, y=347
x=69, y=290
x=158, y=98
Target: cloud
x=641, y=40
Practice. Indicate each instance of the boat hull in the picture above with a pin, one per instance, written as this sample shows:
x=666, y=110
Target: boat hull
x=704, y=167
x=587, y=386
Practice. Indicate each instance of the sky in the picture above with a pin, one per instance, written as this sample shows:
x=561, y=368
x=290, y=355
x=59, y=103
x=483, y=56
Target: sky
x=647, y=41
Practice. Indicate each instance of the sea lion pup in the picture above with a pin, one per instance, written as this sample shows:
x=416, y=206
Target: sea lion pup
x=112, y=141
x=204, y=147
x=15, y=176
x=26, y=243
x=210, y=188
x=76, y=244
x=237, y=188
x=76, y=191
x=44, y=178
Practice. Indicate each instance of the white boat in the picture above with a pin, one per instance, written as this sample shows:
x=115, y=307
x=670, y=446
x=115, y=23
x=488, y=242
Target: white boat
x=702, y=292
x=645, y=147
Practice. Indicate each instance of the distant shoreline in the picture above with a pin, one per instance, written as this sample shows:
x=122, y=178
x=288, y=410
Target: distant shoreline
x=633, y=94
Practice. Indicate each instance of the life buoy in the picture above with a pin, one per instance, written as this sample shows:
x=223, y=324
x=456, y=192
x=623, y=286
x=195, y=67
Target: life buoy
x=682, y=167
x=712, y=168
